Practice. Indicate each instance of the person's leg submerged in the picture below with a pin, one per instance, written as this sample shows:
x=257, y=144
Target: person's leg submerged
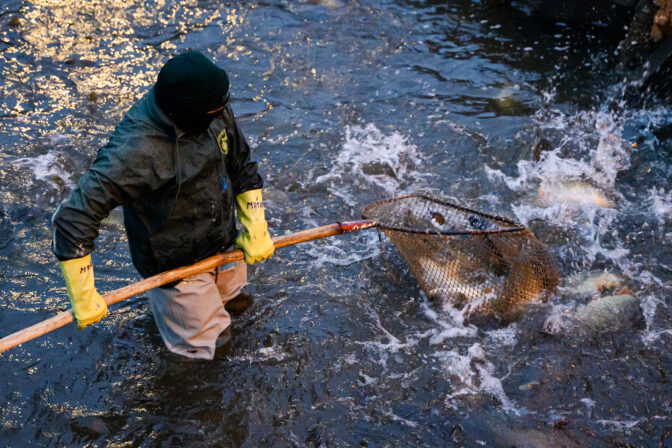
x=190, y=316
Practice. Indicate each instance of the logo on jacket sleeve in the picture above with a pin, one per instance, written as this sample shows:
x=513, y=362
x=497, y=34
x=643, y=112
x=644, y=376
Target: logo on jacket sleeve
x=223, y=142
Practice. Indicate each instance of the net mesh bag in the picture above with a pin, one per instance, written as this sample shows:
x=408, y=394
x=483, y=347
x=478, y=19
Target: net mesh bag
x=474, y=260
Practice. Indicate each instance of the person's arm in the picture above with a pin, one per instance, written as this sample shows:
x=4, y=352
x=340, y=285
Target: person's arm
x=76, y=223
x=255, y=240
x=119, y=173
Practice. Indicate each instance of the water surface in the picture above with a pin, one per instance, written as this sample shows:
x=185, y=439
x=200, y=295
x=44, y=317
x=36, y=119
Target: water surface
x=344, y=103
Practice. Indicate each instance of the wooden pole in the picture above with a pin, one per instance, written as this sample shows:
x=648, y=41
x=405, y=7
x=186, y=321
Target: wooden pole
x=157, y=280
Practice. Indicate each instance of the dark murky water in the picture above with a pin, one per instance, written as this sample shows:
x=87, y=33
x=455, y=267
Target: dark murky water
x=345, y=103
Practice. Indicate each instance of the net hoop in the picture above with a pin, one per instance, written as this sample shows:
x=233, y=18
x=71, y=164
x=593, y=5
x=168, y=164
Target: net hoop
x=514, y=227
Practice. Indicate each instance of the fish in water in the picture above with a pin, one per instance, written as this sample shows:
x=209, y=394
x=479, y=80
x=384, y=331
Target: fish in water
x=574, y=192
x=515, y=435
x=593, y=284
x=442, y=282
x=610, y=313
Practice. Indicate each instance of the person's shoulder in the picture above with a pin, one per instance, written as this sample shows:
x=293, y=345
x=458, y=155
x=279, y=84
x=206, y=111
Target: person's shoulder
x=132, y=137
x=132, y=149
x=140, y=131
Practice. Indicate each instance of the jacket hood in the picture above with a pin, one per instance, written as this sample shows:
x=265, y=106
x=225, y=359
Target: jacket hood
x=159, y=117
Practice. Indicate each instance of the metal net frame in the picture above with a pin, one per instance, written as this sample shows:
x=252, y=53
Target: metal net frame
x=474, y=260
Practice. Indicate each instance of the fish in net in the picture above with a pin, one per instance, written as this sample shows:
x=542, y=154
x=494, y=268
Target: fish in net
x=473, y=260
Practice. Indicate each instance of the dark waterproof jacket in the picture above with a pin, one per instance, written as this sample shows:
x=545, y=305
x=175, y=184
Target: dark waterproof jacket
x=177, y=191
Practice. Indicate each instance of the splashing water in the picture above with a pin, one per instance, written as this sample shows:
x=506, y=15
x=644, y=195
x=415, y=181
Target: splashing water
x=660, y=202
x=340, y=252
x=570, y=186
x=371, y=159
x=474, y=374
x=49, y=167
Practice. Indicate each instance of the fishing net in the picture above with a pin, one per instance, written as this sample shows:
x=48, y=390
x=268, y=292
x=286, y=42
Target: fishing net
x=474, y=260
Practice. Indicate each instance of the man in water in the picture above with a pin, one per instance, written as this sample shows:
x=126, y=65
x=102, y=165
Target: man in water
x=177, y=163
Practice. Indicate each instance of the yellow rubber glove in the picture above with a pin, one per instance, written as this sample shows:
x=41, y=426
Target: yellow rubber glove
x=87, y=305
x=255, y=241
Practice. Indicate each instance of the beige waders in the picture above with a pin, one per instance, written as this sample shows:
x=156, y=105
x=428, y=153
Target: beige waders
x=191, y=315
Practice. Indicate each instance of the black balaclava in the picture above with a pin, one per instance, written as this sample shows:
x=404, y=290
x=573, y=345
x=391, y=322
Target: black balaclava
x=191, y=90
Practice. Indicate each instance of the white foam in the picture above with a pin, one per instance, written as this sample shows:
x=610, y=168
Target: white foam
x=389, y=159
x=587, y=154
x=394, y=417
x=387, y=344
x=558, y=320
x=648, y=279
x=474, y=370
x=366, y=380
x=619, y=425
x=588, y=402
x=272, y=352
x=660, y=204
x=503, y=337
x=651, y=336
x=47, y=167
x=598, y=163
x=449, y=328
x=649, y=304
x=475, y=374
x=345, y=362
x=344, y=252
x=612, y=153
